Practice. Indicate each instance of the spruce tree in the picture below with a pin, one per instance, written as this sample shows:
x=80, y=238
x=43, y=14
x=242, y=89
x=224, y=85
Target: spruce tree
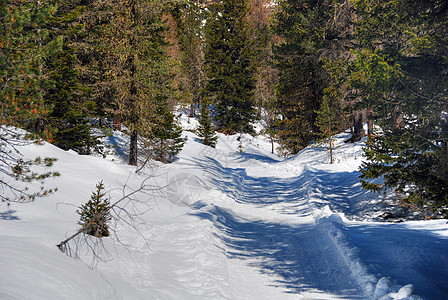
x=312, y=34
x=265, y=75
x=230, y=67
x=328, y=122
x=129, y=35
x=190, y=16
x=89, y=24
x=67, y=96
x=165, y=140
x=400, y=73
x=94, y=216
x=206, y=131
x=24, y=45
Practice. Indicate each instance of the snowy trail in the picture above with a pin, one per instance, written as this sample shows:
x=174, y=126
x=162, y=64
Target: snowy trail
x=285, y=225
x=302, y=257
x=225, y=225
x=287, y=241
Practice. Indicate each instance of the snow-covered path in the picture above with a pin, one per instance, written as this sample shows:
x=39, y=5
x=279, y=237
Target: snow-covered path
x=292, y=224
x=226, y=225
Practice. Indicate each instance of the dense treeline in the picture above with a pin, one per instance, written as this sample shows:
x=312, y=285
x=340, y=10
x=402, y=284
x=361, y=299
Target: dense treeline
x=384, y=60
x=401, y=73
x=308, y=68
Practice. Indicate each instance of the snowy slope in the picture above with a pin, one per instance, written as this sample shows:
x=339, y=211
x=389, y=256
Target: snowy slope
x=223, y=225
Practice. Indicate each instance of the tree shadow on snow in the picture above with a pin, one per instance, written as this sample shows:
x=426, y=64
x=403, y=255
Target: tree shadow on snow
x=299, y=195
x=301, y=255
x=301, y=258
x=9, y=215
x=121, y=146
x=406, y=255
x=243, y=157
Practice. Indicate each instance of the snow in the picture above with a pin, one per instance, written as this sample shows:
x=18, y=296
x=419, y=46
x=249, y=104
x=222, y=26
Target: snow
x=218, y=224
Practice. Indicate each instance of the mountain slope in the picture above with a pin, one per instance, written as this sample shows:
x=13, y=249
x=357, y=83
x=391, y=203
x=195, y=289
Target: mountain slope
x=222, y=225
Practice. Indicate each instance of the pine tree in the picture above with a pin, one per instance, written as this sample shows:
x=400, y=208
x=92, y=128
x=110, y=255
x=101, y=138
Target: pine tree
x=89, y=24
x=165, y=139
x=190, y=16
x=129, y=35
x=400, y=73
x=266, y=75
x=230, y=67
x=328, y=122
x=67, y=96
x=206, y=131
x=24, y=45
x=95, y=214
x=312, y=34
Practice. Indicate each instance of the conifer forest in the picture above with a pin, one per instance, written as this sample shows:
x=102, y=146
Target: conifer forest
x=308, y=139
x=310, y=68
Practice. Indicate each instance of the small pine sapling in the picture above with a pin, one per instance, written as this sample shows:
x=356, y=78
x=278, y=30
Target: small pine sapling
x=95, y=214
x=327, y=122
x=205, y=131
x=240, y=145
x=166, y=138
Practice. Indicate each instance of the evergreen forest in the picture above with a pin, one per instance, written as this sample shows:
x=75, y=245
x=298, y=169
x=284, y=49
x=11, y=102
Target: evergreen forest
x=70, y=70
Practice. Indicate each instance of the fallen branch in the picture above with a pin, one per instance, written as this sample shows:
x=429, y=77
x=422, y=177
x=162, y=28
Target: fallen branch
x=116, y=208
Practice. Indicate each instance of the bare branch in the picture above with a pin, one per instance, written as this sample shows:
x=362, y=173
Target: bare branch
x=128, y=210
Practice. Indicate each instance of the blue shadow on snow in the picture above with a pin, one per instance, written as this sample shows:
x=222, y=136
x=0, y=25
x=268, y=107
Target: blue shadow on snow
x=300, y=257
x=9, y=215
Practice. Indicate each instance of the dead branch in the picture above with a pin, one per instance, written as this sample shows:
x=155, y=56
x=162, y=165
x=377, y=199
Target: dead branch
x=125, y=210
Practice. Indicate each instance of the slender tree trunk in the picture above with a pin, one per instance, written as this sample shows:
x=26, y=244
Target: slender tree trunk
x=351, y=126
x=398, y=120
x=192, y=110
x=331, y=152
x=133, y=148
x=369, y=123
x=358, y=126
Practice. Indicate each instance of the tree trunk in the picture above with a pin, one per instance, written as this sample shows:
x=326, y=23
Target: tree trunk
x=331, y=152
x=358, y=130
x=358, y=126
x=398, y=120
x=133, y=148
x=369, y=123
x=351, y=127
x=192, y=110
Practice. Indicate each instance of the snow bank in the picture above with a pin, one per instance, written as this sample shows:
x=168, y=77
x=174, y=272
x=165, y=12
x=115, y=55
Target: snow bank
x=33, y=270
x=373, y=287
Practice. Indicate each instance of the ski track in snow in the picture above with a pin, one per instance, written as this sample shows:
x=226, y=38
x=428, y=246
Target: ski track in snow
x=303, y=256
x=306, y=254
x=228, y=226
